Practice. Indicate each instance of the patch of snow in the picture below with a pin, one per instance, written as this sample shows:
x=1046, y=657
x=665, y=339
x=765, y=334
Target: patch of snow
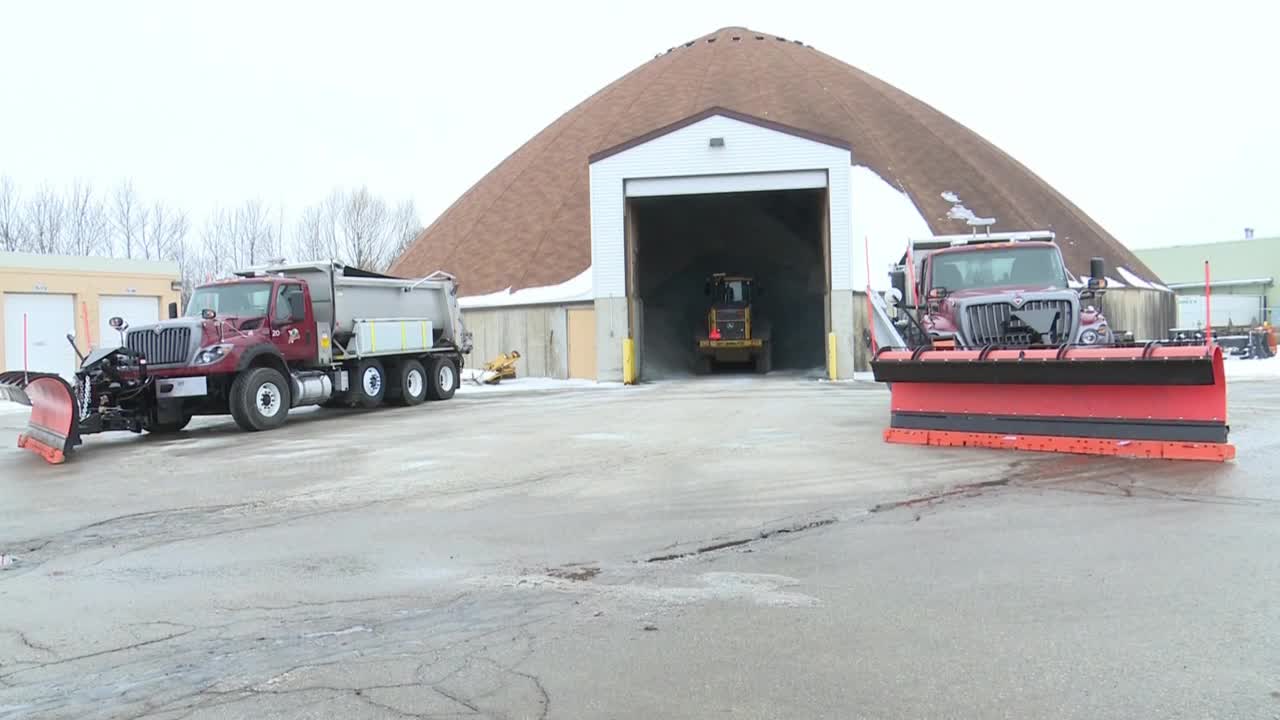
x=12, y=408
x=604, y=436
x=1268, y=369
x=1158, y=286
x=1134, y=280
x=336, y=633
x=523, y=384
x=578, y=288
x=886, y=217
x=1112, y=282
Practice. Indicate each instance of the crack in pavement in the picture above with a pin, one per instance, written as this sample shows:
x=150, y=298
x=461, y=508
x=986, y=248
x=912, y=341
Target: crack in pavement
x=738, y=542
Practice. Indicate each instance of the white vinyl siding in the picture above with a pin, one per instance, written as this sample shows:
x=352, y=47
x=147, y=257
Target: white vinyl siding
x=749, y=151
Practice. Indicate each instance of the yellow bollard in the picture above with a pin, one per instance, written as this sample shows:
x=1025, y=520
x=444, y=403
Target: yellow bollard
x=831, y=356
x=629, y=361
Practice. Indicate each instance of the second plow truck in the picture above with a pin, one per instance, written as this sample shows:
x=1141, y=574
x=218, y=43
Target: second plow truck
x=995, y=344
x=253, y=347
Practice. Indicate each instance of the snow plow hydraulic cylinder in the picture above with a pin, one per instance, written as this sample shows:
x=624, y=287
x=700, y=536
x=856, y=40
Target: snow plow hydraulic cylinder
x=1150, y=401
x=53, y=429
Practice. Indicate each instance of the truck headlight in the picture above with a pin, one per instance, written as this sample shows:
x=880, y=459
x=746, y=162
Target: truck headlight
x=210, y=355
x=1089, y=337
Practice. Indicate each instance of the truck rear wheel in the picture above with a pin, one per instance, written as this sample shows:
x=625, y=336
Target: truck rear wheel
x=370, y=383
x=764, y=360
x=259, y=399
x=413, y=383
x=443, y=380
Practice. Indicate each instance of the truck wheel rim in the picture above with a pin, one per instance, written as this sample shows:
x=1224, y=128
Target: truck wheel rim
x=268, y=399
x=372, y=381
x=446, y=377
x=414, y=381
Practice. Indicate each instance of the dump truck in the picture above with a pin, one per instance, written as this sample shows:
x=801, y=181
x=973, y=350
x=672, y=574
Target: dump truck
x=733, y=334
x=994, y=346
x=255, y=346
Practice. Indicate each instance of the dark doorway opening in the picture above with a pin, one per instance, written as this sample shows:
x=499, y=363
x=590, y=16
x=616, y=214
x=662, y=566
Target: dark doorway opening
x=775, y=236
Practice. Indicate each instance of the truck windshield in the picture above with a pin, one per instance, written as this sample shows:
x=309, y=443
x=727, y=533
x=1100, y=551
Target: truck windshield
x=733, y=292
x=248, y=299
x=1010, y=267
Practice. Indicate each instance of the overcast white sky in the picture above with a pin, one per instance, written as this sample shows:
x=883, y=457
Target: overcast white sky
x=1163, y=123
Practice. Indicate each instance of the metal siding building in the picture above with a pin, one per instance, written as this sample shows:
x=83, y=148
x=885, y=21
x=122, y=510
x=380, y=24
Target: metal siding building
x=1244, y=274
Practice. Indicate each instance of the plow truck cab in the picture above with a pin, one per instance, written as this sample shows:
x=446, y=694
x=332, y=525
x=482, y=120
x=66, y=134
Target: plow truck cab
x=253, y=347
x=1007, y=289
x=732, y=334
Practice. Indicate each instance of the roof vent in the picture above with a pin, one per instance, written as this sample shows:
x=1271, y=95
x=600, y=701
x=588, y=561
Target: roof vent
x=759, y=37
x=779, y=37
x=1248, y=233
x=689, y=44
x=710, y=40
x=736, y=38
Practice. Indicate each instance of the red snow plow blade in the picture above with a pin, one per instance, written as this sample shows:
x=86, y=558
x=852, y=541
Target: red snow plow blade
x=52, y=430
x=1152, y=401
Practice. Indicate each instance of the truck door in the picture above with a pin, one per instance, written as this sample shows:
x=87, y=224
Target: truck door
x=293, y=325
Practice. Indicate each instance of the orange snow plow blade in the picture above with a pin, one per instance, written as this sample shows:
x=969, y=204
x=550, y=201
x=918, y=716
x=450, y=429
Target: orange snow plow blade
x=1153, y=401
x=52, y=431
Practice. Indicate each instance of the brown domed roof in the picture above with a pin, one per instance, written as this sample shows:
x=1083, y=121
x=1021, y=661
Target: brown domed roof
x=527, y=222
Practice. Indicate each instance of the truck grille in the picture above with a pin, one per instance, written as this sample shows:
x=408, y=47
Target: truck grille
x=994, y=324
x=167, y=347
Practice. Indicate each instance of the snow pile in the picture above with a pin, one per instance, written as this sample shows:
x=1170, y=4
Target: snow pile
x=1268, y=369
x=886, y=218
x=1134, y=280
x=524, y=384
x=575, y=289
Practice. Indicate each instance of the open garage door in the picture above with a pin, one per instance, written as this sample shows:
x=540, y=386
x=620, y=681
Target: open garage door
x=776, y=237
x=43, y=346
x=135, y=309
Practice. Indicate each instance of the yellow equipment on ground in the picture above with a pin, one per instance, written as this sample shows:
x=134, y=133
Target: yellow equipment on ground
x=732, y=334
x=498, y=369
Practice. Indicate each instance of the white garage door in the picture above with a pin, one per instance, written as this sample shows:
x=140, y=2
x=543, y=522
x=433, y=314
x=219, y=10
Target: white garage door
x=1233, y=310
x=48, y=320
x=135, y=309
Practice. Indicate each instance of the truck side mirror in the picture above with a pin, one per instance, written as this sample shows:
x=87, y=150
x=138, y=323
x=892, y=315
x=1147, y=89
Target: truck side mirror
x=208, y=314
x=173, y=310
x=118, y=323
x=898, y=280
x=1097, y=273
x=937, y=293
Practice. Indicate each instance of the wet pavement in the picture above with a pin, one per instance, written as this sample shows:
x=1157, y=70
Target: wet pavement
x=738, y=546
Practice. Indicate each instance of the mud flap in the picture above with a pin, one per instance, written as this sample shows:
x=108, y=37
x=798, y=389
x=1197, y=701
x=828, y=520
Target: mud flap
x=1148, y=401
x=53, y=429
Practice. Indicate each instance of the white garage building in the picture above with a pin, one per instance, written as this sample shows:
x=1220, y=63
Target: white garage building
x=47, y=297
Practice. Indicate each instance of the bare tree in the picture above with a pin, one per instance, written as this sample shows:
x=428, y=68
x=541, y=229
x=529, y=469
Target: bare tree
x=405, y=228
x=314, y=233
x=46, y=222
x=127, y=217
x=13, y=224
x=365, y=229
x=255, y=238
x=164, y=228
x=88, y=229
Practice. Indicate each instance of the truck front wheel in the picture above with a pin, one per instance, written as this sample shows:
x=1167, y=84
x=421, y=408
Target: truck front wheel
x=443, y=381
x=259, y=399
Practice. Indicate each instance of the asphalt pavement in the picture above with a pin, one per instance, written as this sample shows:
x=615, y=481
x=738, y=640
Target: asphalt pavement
x=731, y=547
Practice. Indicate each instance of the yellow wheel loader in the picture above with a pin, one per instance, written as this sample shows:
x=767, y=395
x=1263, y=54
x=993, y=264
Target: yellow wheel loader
x=733, y=333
